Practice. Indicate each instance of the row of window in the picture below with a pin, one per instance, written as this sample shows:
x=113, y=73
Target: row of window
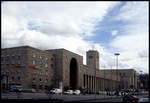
x=33, y=80
x=41, y=57
x=40, y=87
x=40, y=80
x=11, y=62
x=8, y=58
x=33, y=63
x=13, y=78
x=40, y=73
x=41, y=64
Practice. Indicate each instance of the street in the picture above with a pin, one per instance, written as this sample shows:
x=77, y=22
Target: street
x=67, y=98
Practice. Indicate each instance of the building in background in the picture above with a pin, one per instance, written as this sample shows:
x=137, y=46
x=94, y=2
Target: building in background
x=45, y=69
x=143, y=81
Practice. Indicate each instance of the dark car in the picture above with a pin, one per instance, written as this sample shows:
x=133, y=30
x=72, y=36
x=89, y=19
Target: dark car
x=28, y=90
x=130, y=98
x=15, y=88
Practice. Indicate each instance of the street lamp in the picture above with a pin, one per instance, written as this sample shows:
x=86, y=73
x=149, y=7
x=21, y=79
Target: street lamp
x=116, y=54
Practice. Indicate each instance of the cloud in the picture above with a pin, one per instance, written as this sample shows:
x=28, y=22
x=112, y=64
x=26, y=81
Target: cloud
x=133, y=42
x=114, y=32
x=51, y=25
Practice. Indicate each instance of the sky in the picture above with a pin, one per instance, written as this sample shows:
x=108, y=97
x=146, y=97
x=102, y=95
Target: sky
x=108, y=27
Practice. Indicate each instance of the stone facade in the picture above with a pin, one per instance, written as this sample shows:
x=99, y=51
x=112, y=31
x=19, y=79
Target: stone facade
x=43, y=69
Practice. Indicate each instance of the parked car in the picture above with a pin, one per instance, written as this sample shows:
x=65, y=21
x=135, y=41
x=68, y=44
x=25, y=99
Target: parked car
x=76, y=92
x=68, y=92
x=129, y=98
x=143, y=100
x=28, y=90
x=56, y=91
x=15, y=88
x=102, y=92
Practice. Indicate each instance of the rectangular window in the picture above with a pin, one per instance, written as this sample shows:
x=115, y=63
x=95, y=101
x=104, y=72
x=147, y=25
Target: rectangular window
x=34, y=86
x=12, y=62
x=33, y=55
x=46, y=58
x=40, y=80
x=40, y=64
x=40, y=57
x=12, y=78
x=52, y=65
x=19, y=57
x=19, y=62
x=46, y=65
x=40, y=87
x=46, y=80
x=33, y=62
x=18, y=78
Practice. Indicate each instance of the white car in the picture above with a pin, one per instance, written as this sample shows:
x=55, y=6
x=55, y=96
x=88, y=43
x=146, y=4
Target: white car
x=68, y=92
x=76, y=92
x=56, y=91
x=143, y=100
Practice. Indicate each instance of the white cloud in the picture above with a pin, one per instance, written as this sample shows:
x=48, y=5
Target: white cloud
x=48, y=25
x=134, y=41
x=114, y=32
x=64, y=24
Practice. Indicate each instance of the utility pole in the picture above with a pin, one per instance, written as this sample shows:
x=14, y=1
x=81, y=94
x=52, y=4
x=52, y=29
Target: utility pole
x=116, y=54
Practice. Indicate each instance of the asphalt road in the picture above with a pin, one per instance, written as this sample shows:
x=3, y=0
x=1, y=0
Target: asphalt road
x=44, y=96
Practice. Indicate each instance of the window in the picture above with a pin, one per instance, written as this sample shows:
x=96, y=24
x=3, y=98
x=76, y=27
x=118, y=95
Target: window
x=34, y=86
x=19, y=62
x=46, y=58
x=54, y=55
x=51, y=59
x=40, y=87
x=46, y=87
x=12, y=62
x=40, y=57
x=51, y=65
x=40, y=64
x=19, y=57
x=18, y=78
x=7, y=58
x=33, y=62
x=12, y=78
x=46, y=80
x=124, y=74
x=46, y=65
x=33, y=79
x=40, y=80
x=90, y=57
x=33, y=55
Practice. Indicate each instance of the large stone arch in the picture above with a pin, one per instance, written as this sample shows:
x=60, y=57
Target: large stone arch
x=73, y=74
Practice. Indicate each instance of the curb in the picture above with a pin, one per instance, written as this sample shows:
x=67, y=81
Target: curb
x=91, y=99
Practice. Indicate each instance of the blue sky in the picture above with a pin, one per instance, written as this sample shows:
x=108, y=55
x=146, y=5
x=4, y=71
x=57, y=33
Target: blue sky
x=103, y=32
x=109, y=27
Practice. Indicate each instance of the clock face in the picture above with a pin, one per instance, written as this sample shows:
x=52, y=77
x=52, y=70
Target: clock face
x=90, y=57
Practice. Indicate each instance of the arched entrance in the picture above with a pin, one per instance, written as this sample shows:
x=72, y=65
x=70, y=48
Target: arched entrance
x=73, y=74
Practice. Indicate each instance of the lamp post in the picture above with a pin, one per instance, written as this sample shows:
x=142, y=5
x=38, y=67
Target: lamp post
x=116, y=54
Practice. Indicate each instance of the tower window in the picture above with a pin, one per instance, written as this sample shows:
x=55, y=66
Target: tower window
x=90, y=57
